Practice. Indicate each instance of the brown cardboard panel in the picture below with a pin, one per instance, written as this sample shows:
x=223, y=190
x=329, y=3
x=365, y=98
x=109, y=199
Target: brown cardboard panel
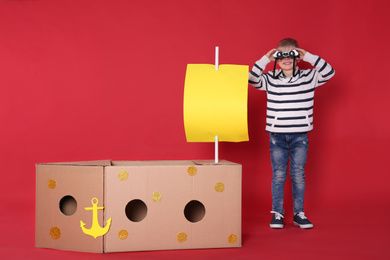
x=212, y=162
x=60, y=187
x=150, y=163
x=154, y=232
x=83, y=163
x=165, y=225
x=219, y=189
x=154, y=205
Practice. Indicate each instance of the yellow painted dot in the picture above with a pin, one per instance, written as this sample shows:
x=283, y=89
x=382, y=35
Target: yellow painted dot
x=51, y=184
x=123, y=234
x=55, y=232
x=232, y=238
x=192, y=170
x=123, y=175
x=156, y=196
x=219, y=187
x=181, y=237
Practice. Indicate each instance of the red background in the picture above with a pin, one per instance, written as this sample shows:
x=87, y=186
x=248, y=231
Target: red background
x=87, y=80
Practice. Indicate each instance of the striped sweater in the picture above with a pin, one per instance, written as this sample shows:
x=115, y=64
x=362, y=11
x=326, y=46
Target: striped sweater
x=290, y=99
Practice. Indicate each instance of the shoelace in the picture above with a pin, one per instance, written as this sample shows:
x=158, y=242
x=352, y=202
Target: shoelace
x=302, y=215
x=278, y=216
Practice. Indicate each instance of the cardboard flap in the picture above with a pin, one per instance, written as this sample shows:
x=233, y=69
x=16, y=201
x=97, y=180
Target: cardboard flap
x=212, y=162
x=82, y=163
x=151, y=163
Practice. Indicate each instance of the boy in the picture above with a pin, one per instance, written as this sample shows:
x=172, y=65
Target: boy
x=290, y=96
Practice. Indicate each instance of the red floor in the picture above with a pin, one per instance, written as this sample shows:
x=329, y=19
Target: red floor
x=339, y=233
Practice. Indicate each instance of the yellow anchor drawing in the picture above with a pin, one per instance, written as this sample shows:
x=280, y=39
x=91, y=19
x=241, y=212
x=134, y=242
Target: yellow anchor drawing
x=96, y=230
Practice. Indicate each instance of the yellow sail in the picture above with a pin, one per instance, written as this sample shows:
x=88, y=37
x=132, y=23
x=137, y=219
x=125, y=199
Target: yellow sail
x=215, y=103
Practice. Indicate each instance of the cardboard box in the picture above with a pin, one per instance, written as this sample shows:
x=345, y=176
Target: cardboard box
x=141, y=205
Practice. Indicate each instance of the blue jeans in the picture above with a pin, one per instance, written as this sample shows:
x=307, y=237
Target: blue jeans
x=284, y=147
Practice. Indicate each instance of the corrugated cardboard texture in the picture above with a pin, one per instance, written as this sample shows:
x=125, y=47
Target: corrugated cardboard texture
x=154, y=205
x=165, y=218
x=82, y=163
x=81, y=183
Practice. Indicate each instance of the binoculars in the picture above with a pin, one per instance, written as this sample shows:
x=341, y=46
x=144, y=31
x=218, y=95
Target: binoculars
x=281, y=55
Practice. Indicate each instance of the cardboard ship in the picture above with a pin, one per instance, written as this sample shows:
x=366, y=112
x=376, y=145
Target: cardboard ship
x=146, y=205
x=117, y=206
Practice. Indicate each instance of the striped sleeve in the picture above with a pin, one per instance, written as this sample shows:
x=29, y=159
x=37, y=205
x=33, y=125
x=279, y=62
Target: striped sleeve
x=256, y=77
x=323, y=70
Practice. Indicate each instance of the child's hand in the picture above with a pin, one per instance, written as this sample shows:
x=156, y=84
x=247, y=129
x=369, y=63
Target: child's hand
x=302, y=53
x=270, y=54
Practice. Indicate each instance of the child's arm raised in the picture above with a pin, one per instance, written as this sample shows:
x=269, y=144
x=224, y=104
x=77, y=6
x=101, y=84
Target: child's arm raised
x=325, y=71
x=255, y=78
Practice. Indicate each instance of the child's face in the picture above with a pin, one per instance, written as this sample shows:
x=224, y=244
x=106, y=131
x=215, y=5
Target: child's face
x=286, y=64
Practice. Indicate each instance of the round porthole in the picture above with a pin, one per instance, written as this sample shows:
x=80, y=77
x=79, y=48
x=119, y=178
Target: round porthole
x=194, y=211
x=136, y=210
x=68, y=205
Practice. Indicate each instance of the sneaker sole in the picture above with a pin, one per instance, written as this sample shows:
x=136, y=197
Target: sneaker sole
x=276, y=225
x=304, y=226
